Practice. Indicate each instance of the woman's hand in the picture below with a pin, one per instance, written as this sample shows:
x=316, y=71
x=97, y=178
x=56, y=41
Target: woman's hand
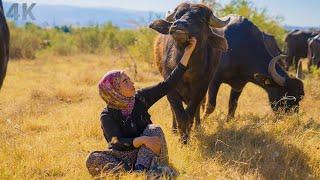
x=188, y=51
x=192, y=44
x=152, y=142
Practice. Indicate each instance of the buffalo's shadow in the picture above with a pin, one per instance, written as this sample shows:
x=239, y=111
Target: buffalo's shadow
x=250, y=150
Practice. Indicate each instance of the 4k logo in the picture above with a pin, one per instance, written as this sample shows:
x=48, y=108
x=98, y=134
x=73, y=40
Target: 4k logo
x=13, y=11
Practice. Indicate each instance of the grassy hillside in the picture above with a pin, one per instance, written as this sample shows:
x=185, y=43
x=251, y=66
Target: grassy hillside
x=49, y=121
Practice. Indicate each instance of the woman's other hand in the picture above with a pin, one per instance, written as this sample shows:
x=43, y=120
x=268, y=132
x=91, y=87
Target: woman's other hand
x=152, y=142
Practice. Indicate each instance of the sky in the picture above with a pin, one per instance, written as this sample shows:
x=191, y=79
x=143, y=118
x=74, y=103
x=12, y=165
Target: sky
x=294, y=12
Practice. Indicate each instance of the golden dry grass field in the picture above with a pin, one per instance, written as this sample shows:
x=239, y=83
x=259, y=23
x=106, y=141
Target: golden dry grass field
x=49, y=121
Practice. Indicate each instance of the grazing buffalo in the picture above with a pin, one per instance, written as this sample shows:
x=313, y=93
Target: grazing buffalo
x=297, y=46
x=4, y=45
x=248, y=59
x=188, y=20
x=314, y=51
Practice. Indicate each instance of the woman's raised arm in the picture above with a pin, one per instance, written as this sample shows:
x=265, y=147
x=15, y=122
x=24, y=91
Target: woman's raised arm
x=152, y=94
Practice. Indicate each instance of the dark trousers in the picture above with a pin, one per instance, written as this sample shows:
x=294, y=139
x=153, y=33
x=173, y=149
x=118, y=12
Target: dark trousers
x=112, y=161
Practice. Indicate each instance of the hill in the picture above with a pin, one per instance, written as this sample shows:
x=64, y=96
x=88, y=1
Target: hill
x=59, y=15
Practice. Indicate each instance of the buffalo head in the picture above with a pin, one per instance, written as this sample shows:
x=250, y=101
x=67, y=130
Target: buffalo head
x=192, y=20
x=285, y=92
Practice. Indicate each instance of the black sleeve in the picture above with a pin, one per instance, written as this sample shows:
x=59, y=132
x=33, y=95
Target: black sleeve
x=113, y=135
x=152, y=94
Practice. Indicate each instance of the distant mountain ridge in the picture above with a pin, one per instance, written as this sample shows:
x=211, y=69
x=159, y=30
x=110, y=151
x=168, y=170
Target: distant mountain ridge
x=58, y=15
x=306, y=28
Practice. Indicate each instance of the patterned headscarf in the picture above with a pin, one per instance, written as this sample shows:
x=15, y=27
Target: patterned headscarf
x=109, y=90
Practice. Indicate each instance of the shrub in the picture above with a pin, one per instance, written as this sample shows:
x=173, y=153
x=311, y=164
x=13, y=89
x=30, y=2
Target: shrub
x=64, y=45
x=25, y=41
x=142, y=49
x=88, y=39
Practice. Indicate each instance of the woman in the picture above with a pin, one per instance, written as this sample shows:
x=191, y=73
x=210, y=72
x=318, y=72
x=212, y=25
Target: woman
x=134, y=142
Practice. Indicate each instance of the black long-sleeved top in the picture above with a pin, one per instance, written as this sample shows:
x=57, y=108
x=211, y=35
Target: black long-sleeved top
x=120, y=132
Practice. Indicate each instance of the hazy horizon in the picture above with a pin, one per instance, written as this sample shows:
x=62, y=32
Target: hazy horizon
x=298, y=13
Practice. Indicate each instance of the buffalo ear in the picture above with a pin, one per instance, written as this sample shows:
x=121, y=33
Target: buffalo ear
x=161, y=26
x=217, y=41
x=263, y=80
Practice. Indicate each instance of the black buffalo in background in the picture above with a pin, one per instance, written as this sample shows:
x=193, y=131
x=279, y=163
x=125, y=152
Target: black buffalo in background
x=297, y=46
x=248, y=59
x=314, y=51
x=4, y=45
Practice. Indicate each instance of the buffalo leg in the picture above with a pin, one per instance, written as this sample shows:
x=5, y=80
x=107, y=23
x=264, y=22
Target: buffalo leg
x=198, y=112
x=174, y=121
x=203, y=104
x=289, y=60
x=181, y=116
x=233, y=102
x=309, y=65
x=197, y=117
x=193, y=108
x=296, y=62
x=212, y=98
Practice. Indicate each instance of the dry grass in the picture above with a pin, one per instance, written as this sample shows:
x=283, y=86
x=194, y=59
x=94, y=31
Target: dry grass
x=49, y=121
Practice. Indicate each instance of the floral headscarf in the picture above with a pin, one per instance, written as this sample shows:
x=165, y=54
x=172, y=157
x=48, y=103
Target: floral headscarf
x=109, y=90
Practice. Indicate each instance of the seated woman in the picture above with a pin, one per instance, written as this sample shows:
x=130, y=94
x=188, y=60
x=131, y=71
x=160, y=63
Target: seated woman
x=134, y=142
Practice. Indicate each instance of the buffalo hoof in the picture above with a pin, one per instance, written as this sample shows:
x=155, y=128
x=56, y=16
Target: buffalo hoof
x=209, y=109
x=205, y=116
x=230, y=117
x=184, y=139
x=174, y=131
x=198, y=127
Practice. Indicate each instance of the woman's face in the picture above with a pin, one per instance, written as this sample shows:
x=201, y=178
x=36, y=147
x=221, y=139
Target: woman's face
x=127, y=88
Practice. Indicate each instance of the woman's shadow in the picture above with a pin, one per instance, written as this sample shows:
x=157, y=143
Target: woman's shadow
x=250, y=150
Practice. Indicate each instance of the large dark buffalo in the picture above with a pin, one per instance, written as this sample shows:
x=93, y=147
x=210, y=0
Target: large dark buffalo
x=248, y=60
x=4, y=45
x=314, y=51
x=188, y=20
x=297, y=46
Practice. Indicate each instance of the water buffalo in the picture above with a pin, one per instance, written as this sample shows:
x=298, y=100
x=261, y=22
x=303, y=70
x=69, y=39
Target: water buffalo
x=314, y=51
x=248, y=60
x=297, y=46
x=4, y=45
x=188, y=20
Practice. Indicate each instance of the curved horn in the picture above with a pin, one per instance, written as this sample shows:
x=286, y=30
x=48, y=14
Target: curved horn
x=170, y=16
x=218, y=23
x=273, y=72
